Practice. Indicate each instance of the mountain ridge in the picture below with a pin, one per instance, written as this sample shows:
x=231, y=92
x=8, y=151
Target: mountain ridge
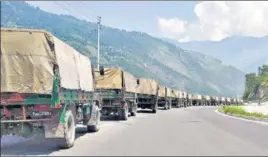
x=136, y=52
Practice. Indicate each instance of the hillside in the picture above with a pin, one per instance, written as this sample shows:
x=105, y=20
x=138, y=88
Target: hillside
x=136, y=52
x=257, y=85
x=245, y=53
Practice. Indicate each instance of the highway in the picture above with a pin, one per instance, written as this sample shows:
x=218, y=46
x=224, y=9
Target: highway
x=185, y=131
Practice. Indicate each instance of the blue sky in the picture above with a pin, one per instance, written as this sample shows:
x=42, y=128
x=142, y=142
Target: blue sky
x=129, y=15
x=183, y=21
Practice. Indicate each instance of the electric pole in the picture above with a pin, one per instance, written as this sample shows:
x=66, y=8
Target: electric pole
x=98, y=31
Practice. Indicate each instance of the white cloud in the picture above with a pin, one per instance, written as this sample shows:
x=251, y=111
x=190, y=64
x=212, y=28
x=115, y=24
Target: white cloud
x=217, y=20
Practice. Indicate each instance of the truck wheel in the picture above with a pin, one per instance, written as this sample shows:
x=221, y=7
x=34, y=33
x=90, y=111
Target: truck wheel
x=69, y=130
x=124, y=113
x=96, y=127
x=134, y=110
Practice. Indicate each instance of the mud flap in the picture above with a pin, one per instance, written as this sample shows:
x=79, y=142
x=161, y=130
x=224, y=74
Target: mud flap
x=54, y=128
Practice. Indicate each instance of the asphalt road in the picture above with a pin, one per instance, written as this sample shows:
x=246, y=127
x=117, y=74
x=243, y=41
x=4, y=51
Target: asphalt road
x=191, y=131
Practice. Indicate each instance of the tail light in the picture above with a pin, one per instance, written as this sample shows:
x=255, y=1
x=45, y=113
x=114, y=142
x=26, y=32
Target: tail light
x=58, y=106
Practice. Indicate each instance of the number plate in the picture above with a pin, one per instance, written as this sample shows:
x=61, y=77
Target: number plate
x=41, y=113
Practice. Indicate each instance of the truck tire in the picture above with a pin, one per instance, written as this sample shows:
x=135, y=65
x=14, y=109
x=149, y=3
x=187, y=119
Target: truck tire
x=69, y=130
x=124, y=113
x=169, y=105
x=166, y=106
x=96, y=127
x=134, y=109
x=155, y=107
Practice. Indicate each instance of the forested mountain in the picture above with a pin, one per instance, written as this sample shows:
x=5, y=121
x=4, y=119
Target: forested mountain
x=136, y=52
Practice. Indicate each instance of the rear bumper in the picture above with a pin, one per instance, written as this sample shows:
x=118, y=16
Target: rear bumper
x=51, y=126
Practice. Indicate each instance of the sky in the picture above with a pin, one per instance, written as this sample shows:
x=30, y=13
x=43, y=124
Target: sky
x=183, y=21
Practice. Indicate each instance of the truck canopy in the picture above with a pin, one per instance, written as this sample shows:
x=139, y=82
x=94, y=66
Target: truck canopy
x=147, y=86
x=28, y=58
x=169, y=93
x=207, y=97
x=162, y=91
x=175, y=93
x=114, y=78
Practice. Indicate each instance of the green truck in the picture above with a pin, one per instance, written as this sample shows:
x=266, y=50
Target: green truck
x=147, y=94
x=46, y=86
x=175, y=100
x=118, y=90
x=164, y=97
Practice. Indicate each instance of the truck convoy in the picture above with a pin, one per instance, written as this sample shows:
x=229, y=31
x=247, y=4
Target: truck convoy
x=45, y=85
x=48, y=86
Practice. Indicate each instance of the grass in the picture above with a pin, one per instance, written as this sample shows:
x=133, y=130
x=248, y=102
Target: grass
x=239, y=111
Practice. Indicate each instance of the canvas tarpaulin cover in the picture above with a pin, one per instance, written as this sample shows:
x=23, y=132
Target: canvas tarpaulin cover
x=28, y=57
x=147, y=86
x=26, y=62
x=207, y=97
x=169, y=94
x=162, y=91
x=130, y=82
x=112, y=79
x=197, y=96
x=75, y=68
x=175, y=94
x=189, y=96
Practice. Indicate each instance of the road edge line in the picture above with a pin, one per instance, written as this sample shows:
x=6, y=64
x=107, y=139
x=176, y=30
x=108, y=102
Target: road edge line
x=248, y=120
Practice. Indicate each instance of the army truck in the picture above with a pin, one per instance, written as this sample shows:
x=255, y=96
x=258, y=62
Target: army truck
x=228, y=101
x=147, y=94
x=184, y=98
x=180, y=99
x=215, y=101
x=222, y=101
x=175, y=98
x=47, y=87
x=189, y=99
x=207, y=100
x=118, y=90
x=164, y=97
x=197, y=100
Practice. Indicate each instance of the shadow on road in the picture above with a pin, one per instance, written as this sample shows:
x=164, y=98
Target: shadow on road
x=37, y=145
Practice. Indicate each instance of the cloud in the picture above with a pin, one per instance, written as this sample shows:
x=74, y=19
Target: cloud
x=217, y=20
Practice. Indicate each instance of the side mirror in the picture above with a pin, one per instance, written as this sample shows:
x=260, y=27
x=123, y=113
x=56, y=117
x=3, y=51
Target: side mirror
x=101, y=70
x=138, y=81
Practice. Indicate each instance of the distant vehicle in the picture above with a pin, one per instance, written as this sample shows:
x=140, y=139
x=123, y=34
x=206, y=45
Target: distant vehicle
x=118, y=90
x=147, y=94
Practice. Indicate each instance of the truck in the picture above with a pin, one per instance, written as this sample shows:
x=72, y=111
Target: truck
x=164, y=94
x=197, y=100
x=215, y=101
x=223, y=101
x=184, y=98
x=189, y=99
x=118, y=90
x=147, y=94
x=228, y=101
x=207, y=100
x=175, y=100
x=47, y=87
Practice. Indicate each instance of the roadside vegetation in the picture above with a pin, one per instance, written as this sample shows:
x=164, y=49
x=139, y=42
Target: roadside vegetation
x=239, y=111
x=256, y=85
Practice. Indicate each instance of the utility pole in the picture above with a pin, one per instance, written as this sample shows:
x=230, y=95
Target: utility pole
x=98, y=31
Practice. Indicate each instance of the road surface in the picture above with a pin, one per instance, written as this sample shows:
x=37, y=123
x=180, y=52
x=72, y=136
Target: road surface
x=185, y=131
